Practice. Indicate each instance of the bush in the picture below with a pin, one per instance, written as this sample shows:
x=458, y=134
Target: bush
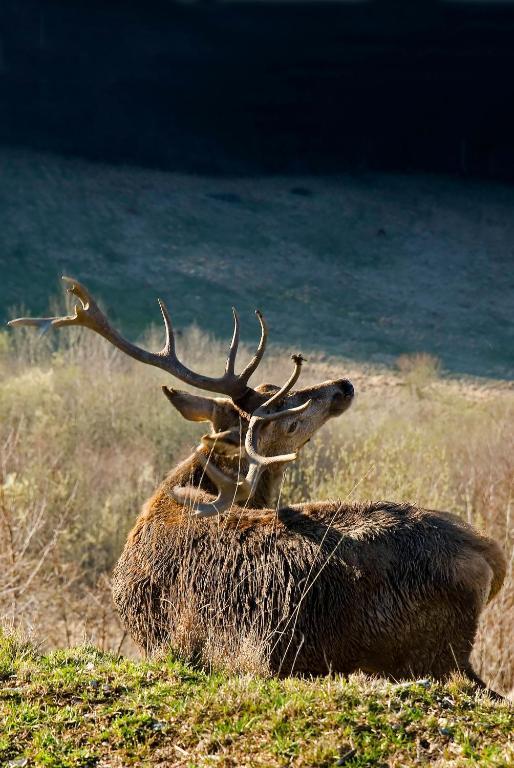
x=419, y=371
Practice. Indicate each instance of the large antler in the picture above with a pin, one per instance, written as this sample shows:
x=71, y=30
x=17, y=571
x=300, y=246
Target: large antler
x=88, y=315
x=231, y=491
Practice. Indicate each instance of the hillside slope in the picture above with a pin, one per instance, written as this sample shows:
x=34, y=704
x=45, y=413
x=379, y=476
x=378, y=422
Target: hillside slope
x=368, y=266
x=80, y=708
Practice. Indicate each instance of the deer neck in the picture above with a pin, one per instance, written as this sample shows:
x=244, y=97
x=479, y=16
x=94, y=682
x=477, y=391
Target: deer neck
x=191, y=472
x=268, y=490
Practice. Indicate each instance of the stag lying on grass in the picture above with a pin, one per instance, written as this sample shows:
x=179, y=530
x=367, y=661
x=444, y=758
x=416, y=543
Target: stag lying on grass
x=211, y=567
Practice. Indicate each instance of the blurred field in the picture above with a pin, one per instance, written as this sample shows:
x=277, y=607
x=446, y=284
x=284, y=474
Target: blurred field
x=86, y=435
x=368, y=266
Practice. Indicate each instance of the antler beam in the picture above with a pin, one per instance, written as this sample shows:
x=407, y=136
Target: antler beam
x=88, y=315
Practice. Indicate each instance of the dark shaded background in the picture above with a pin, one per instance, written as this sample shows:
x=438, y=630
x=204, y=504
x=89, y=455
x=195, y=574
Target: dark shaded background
x=263, y=87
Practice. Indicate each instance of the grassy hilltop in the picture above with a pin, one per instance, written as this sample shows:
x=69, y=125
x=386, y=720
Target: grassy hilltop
x=81, y=708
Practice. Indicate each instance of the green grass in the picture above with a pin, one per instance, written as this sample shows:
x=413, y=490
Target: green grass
x=81, y=708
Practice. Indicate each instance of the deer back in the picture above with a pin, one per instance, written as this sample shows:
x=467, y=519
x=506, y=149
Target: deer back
x=312, y=587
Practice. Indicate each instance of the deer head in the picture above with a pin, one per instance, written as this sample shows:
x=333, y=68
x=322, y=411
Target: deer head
x=270, y=426
x=256, y=430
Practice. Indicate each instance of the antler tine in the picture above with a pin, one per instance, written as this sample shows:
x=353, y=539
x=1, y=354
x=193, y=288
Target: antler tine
x=283, y=413
x=252, y=436
x=169, y=344
x=256, y=359
x=282, y=392
x=78, y=290
x=234, y=345
x=89, y=315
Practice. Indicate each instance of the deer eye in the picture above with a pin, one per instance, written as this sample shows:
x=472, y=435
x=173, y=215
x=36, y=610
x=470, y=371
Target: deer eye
x=292, y=428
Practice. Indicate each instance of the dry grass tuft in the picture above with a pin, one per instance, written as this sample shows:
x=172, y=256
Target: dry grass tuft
x=419, y=371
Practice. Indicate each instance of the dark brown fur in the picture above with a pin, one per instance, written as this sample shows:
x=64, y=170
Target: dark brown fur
x=328, y=586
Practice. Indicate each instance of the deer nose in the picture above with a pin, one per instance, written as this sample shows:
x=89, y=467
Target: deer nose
x=346, y=388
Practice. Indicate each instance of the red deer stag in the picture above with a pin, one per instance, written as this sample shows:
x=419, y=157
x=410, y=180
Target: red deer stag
x=386, y=588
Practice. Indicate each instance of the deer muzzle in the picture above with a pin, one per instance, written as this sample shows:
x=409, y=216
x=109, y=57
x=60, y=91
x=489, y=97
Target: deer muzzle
x=342, y=397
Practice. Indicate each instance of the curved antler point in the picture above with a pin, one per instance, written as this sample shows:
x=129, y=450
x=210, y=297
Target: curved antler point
x=164, y=309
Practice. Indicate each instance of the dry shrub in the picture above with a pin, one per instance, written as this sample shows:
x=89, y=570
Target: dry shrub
x=85, y=437
x=419, y=371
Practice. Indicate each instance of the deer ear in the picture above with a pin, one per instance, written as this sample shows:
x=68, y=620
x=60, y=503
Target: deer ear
x=191, y=407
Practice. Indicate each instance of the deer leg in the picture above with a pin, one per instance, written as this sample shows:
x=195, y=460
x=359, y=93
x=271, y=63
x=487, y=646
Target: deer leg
x=479, y=683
